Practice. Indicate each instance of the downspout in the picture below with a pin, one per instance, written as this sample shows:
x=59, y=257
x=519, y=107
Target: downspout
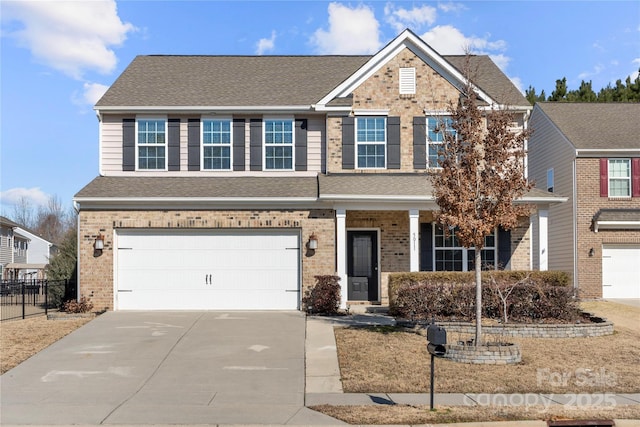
x=575, y=225
x=76, y=207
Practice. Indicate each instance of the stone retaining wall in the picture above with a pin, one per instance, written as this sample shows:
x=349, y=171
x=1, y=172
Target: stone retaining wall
x=492, y=354
x=575, y=330
x=593, y=327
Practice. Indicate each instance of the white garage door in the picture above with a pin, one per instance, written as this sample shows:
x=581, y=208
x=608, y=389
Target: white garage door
x=620, y=271
x=207, y=270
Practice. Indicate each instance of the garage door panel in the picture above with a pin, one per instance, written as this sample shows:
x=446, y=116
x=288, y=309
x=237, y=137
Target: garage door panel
x=208, y=269
x=620, y=271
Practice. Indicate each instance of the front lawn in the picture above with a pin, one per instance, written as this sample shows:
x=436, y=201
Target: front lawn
x=392, y=360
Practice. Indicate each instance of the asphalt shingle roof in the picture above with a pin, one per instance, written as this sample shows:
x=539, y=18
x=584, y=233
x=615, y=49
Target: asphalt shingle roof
x=245, y=81
x=200, y=187
x=374, y=185
x=596, y=125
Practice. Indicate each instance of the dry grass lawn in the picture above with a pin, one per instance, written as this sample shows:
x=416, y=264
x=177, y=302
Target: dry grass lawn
x=413, y=415
x=21, y=339
x=390, y=360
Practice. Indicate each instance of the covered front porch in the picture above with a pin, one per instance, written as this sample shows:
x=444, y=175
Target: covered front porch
x=386, y=224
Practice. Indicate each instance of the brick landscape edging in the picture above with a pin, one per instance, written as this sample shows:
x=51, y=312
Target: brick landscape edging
x=491, y=354
x=593, y=327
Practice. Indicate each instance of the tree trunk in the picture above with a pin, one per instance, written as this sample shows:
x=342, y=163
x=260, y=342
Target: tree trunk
x=478, y=262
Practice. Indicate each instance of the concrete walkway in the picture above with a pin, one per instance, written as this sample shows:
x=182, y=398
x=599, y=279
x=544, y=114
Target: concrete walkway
x=323, y=385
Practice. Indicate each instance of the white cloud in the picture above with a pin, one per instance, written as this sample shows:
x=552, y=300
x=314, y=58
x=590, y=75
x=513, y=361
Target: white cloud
x=70, y=36
x=448, y=40
x=265, y=45
x=414, y=18
x=351, y=31
x=34, y=195
x=451, y=7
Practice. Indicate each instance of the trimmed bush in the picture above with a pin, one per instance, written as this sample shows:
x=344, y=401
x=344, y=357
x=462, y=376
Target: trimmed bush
x=520, y=296
x=324, y=297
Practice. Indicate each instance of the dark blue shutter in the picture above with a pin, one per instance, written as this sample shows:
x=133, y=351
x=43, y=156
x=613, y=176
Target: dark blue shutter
x=173, y=142
x=348, y=143
x=393, y=142
x=128, y=144
x=419, y=143
x=255, y=144
x=238, y=145
x=301, y=144
x=426, y=247
x=193, y=144
x=504, y=249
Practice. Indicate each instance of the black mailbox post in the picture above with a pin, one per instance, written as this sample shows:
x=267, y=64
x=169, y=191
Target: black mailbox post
x=437, y=339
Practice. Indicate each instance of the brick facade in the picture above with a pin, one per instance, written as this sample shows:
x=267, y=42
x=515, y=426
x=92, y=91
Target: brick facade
x=380, y=91
x=97, y=272
x=589, y=202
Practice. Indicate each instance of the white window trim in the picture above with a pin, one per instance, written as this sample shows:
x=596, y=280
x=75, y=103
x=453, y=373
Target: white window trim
x=465, y=251
x=356, y=143
x=550, y=180
x=202, y=144
x=407, y=80
x=264, y=142
x=628, y=196
x=166, y=143
x=429, y=114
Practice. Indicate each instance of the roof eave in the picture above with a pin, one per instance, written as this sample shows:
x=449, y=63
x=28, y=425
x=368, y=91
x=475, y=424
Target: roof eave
x=91, y=203
x=607, y=152
x=159, y=109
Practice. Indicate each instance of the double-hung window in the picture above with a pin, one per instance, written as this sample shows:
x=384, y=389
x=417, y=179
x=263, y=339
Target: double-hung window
x=278, y=144
x=152, y=144
x=619, y=177
x=371, y=141
x=216, y=144
x=437, y=129
x=451, y=256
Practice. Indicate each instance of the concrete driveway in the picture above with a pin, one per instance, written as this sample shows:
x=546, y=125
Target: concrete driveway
x=167, y=368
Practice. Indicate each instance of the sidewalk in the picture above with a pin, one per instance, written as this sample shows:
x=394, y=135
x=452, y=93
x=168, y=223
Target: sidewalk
x=323, y=385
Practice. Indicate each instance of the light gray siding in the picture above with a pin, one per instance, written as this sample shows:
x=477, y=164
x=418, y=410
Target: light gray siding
x=549, y=149
x=111, y=149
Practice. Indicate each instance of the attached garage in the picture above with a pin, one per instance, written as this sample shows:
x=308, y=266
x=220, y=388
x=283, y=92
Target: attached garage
x=621, y=271
x=195, y=269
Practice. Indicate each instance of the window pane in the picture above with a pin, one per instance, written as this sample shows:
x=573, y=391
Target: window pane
x=278, y=132
x=620, y=177
x=371, y=129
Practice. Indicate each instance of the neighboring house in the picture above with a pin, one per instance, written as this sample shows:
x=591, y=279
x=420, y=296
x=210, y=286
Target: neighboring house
x=23, y=254
x=229, y=182
x=590, y=153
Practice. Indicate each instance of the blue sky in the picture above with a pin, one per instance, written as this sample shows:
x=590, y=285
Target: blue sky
x=58, y=58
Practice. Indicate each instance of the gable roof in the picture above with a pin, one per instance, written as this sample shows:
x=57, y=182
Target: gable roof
x=595, y=126
x=215, y=81
x=243, y=82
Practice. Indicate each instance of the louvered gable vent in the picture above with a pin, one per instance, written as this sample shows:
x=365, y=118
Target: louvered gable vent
x=407, y=81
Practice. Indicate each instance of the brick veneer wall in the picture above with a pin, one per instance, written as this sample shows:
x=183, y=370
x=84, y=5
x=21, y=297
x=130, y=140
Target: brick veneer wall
x=96, y=272
x=380, y=91
x=588, y=203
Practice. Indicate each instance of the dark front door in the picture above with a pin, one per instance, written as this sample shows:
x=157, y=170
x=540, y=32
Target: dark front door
x=362, y=265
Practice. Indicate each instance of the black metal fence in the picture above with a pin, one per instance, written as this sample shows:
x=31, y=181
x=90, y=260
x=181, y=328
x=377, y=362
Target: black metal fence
x=20, y=299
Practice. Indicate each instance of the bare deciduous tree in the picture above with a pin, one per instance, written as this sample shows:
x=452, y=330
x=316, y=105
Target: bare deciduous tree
x=482, y=174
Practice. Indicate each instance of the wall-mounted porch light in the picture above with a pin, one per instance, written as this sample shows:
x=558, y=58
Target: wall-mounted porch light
x=98, y=245
x=591, y=252
x=313, y=242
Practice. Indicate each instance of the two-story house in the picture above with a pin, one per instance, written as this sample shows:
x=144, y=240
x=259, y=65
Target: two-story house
x=591, y=154
x=229, y=182
x=23, y=254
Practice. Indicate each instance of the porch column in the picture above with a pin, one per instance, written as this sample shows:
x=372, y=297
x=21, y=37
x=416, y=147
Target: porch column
x=543, y=239
x=341, y=254
x=414, y=233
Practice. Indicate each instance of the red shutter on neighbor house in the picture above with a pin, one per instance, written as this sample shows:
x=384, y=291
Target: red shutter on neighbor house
x=604, y=177
x=635, y=177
